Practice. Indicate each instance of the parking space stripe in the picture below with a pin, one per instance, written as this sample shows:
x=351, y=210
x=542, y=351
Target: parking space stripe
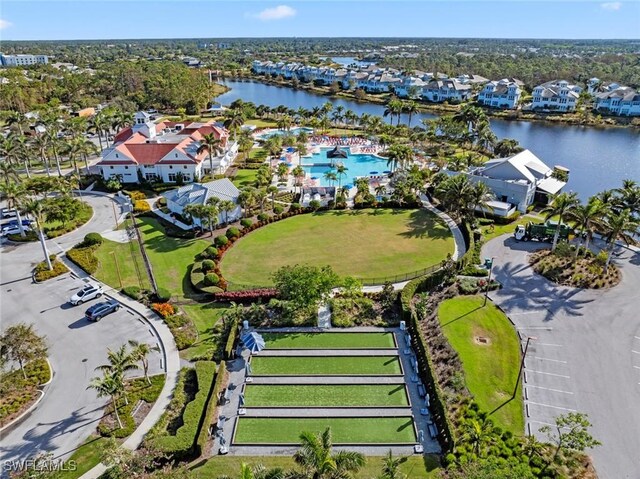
x=635, y=352
x=541, y=422
x=550, y=374
x=549, y=389
x=553, y=407
x=548, y=359
x=549, y=344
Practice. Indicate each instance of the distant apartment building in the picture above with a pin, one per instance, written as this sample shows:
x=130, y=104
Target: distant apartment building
x=557, y=95
x=449, y=89
x=22, y=60
x=503, y=93
x=621, y=101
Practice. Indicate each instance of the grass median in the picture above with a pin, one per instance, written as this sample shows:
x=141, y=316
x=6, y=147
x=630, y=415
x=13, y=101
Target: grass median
x=325, y=365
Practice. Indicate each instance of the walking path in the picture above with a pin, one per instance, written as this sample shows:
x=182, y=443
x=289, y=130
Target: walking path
x=460, y=247
x=324, y=316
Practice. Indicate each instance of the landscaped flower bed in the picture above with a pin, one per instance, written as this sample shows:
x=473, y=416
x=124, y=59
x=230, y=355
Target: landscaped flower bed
x=17, y=394
x=564, y=268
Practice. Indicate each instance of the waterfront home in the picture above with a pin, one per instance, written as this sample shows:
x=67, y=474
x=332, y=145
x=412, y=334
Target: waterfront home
x=558, y=95
x=448, y=89
x=503, y=93
x=517, y=181
x=472, y=79
x=410, y=87
x=621, y=101
x=166, y=151
x=200, y=194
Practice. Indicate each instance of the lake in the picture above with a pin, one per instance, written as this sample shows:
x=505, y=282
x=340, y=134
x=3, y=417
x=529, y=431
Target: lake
x=598, y=158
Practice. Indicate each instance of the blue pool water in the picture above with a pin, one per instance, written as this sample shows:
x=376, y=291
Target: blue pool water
x=357, y=165
x=293, y=131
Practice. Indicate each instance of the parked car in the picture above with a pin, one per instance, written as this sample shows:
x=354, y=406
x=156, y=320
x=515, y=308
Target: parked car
x=9, y=213
x=13, y=230
x=100, y=310
x=25, y=222
x=87, y=293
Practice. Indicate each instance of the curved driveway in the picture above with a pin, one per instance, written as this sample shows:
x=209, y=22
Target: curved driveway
x=586, y=355
x=69, y=412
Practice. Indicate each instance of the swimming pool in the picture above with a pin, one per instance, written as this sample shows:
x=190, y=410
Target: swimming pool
x=292, y=131
x=357, y=165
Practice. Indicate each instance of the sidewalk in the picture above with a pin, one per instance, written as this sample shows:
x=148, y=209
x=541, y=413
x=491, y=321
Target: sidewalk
x=171, y=364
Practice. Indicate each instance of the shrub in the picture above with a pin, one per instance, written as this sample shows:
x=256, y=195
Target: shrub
x=163, y=295
x=210, y=253
x=162, y=201
x=43, y=273
x=141, y=206
x=248, y=295
x=164, y=309
x=29, y=236
x=132, y=291
x=84, y=258
x=277, y=209
x=263, y=217
x=211, y=279
x=208, y=265
x=295, y=206
x=91, y=239
x=246, y=222
x=221, y=240
x=233, y=232
x=136, y=195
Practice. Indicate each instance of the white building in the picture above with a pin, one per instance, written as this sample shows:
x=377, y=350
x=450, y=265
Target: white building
x=622, y=101
x=557, y=95
x=516, y=181
x=166, y=151
x=410, y=87
x=201, y=193
x=22, y=60
x=448, y=89
x=503, y=93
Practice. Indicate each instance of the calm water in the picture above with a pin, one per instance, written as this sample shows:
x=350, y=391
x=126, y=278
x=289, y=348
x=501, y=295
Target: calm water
x=598, y=158
x=357, y=165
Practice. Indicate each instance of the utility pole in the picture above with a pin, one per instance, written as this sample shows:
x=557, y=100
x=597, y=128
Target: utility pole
x=486, y=290
x=117, y=268
x=524, y=355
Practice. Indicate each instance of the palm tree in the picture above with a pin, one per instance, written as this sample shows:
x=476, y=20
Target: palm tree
x=235, y=118
x=14, y=194
x=477, y=433
x=40, y=142
x=139, y=352
x=479, y=198
x=399, y=155
x=17, y=119
x=341, y=171
x=454, y=193
x=587, y=219
x=8, y=172
x=282, y=171
x=120, y=361
x=86, y=148
x=248, y=200
x=261, y=196
x=394, y=107
x=37, y=209
x=245, y=143
x=73, y=148
x=507, y=147
x=620, y=225
x=628, y=196
x=391, y=467
x=272, y=191
x=212, y=145
x=195, y=211
x=226, y=207
x=319, y=461
x=330, y=176
x=560, y=206
x=410, y=108
x=100, y=124
x=108, y=385
x=298, y=173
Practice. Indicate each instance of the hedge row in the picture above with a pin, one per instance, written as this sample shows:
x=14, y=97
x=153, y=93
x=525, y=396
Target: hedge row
x=212, y=406
x=84, y=258
x=185, y=444
x=231, y=340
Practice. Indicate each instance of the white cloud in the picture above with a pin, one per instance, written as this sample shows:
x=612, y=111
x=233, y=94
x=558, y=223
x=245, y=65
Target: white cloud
x=4, y=24
x=611, y=6
x=276, y=13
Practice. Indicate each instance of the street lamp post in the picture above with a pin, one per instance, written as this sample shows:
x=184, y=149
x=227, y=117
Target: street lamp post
x=486, y=290
x=117, y=268
x=524, y=355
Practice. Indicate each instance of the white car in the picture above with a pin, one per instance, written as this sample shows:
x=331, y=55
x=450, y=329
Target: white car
x=13, y=230
x=87, y=293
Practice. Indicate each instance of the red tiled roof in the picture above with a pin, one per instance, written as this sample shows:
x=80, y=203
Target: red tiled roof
x=123, y=135
x=148, y=153
x=114, y=162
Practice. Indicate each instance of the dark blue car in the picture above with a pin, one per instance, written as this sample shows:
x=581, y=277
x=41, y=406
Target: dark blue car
x=100, y=310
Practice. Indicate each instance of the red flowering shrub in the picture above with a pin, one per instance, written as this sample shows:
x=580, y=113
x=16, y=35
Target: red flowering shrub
x=164, y=309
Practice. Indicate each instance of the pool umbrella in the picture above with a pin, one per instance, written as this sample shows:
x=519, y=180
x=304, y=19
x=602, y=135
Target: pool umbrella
x=337, y=152
x=253, y=341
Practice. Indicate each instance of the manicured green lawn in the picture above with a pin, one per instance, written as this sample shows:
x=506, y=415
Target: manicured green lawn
x=324, y=365
x=382, y=430
x=493, y=231
x=86, y=456
x=326, y=395
x=329, y=340
x=204, y=316
x=369, y=244
x=245, y=178
x=490, y=369
x=262, y=123
x=127, y=256
x=170, y=257
x=415, y=467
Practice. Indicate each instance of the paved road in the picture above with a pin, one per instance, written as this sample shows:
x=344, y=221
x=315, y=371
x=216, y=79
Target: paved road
x=586, y=356
x=69, y=412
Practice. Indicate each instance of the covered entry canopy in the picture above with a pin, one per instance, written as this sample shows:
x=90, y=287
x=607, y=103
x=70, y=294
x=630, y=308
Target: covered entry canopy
x=253, y=341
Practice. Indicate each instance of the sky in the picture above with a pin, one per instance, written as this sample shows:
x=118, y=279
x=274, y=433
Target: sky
x=130, y=19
